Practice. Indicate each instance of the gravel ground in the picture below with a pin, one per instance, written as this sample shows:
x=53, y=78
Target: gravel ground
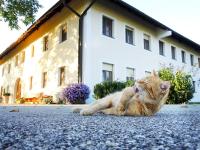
x=55, y=127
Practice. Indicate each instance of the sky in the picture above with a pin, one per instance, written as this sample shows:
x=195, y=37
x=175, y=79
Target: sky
x=182, y=16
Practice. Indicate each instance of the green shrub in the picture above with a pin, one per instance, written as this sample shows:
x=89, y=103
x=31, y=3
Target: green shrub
x=108, y=87
x=182, y=89
x=20, y=100
x=47, y=99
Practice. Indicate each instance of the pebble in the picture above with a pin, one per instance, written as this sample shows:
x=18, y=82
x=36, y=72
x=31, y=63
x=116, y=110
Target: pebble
x=43, y=128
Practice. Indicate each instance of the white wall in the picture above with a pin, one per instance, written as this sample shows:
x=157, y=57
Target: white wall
x=99, y=48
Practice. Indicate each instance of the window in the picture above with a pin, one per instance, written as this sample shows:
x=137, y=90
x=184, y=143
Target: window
x=31, y=83
x=61, y=76
x=23, y=57
x=147, y=73
x=107, y=27
x=46, y=43
x=199, y=62
x=107, y=72
x=16, y=60
x=129, y=35
x=173, y=51
x=192, y=60
x=2, y=91
x=194, y=85
x=3, y=71
x=161, y=48
x=183, y=56
x=63, y=33
x=130, y=74
x=32, y=51
x=44, y=79
x=146, y=42
x=9, y=67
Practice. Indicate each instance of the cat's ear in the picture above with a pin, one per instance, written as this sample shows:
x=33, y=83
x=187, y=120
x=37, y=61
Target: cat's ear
x=154, y=73
x=165, y=85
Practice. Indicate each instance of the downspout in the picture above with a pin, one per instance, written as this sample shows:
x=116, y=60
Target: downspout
x=80, y=40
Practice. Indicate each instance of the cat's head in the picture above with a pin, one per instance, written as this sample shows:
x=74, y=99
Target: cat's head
x=156, y=88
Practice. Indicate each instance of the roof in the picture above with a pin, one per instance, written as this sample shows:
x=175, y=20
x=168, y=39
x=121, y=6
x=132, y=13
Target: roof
x=59, y=5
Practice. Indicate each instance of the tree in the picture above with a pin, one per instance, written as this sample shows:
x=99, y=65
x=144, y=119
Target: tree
x=181, y=90
x=14, y=11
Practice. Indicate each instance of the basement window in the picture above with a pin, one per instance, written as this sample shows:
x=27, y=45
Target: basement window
x=130, y=74
x=107, y=72
x=61, y=76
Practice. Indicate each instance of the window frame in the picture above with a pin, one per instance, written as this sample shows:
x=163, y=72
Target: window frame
x=183, y=56
x=3, y=70
x=31, y=83
x=148, y=41
x=32, y=51
x=129, y=77
x=45, y=43
x=44, y=79
x=161, y=48
x=173, y=48
x=132, y=30
x=111, y=27
x=23, y=57
x=16, y=60
x=61, y=81
x=147, y=73
x=199, y=61
x=61, y=39
x=192, y=59
x=9, y=68
x=194, y=85
x=109, y=71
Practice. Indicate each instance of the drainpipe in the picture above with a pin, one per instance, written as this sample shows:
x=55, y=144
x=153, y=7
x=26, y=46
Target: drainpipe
x=80, y=40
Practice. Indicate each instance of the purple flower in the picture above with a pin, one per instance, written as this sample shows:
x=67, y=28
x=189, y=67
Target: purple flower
x=76, y=93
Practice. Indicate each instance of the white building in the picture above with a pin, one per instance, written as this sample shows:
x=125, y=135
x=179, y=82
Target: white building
x=116, y=42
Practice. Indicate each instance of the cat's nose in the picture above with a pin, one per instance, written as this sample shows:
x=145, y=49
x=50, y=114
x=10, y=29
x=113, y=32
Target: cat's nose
x=163, y=87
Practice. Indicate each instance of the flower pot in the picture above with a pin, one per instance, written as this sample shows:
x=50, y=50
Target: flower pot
x=6, y=99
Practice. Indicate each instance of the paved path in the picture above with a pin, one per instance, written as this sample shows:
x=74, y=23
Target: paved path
x=174, y=127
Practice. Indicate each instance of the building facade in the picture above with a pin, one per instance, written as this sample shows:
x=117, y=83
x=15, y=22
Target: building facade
x=117, y=42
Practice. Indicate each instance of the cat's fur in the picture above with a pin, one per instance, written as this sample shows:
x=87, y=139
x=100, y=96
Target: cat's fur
x=145, y=98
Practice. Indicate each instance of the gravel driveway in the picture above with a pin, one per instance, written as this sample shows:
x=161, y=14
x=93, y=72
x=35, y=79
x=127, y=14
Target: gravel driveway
x=55, y=127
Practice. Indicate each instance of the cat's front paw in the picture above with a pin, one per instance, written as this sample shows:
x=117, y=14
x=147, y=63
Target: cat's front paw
x=86, y=112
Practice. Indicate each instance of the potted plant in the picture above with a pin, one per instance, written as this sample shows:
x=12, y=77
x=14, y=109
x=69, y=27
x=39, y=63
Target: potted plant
x=6, y=97
x=76, y=93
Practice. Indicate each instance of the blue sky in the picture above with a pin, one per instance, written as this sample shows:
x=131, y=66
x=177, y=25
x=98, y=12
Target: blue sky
x=182, y=16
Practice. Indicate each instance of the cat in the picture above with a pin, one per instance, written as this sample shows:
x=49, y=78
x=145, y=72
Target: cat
x=145, y=98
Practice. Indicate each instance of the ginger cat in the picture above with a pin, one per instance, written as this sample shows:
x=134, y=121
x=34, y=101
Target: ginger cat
x=145, y=98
